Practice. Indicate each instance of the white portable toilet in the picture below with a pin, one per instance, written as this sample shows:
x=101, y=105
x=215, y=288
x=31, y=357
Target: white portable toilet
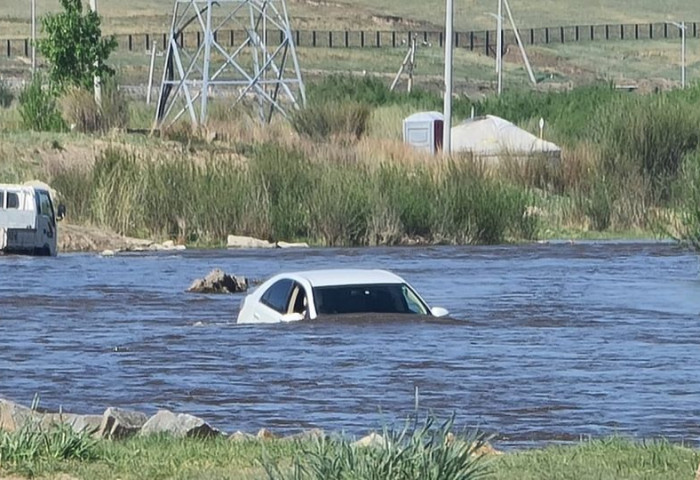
x=423, y=130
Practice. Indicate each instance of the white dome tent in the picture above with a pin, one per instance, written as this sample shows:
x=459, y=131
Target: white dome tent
x=492, y=138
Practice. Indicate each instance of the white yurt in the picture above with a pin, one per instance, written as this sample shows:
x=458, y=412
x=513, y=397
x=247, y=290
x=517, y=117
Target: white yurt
x=493, y=138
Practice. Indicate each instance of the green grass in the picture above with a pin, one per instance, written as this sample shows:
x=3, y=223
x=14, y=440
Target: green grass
x=607, y=459
x=162, y=457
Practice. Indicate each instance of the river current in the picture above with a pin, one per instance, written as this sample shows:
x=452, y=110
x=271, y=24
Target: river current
x=554, y=342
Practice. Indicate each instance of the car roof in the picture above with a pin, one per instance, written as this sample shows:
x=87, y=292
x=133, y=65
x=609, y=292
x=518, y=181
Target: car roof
x=348, y=276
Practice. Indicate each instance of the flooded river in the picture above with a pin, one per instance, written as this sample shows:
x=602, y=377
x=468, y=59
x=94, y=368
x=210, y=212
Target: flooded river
x=556, y=342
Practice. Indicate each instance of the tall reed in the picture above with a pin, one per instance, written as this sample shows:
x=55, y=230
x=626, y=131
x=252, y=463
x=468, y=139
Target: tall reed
x=282, y=194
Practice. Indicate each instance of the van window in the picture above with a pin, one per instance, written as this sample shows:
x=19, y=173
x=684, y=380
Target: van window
x=2, y=199
x=12, y=200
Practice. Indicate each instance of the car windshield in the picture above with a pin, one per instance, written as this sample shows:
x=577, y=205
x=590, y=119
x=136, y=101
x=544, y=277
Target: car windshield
x=376, y=298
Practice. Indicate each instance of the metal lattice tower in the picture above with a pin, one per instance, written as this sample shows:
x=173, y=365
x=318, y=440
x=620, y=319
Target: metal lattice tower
x=244, y=50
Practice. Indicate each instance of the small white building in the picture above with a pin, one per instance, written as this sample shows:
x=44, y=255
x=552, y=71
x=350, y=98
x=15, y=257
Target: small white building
x=424, y=130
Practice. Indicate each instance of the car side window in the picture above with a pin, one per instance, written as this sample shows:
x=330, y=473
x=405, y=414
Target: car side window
x=298, y=302
x=2, y=199
x=277, y=296
x=12, y=200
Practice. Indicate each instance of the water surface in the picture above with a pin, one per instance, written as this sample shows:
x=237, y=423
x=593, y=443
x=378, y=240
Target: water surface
x=555, y=342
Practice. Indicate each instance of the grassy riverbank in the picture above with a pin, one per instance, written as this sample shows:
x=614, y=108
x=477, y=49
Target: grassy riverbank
x=338, y=173
x=168, y=458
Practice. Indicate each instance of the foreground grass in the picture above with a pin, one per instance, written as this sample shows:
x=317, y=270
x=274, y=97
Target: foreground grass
x=168, y=458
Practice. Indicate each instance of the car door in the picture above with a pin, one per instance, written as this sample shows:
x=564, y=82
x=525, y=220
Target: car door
x=45, y=242
x=274, y=302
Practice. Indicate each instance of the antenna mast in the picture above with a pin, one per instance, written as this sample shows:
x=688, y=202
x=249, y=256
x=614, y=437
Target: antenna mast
x=234, y=49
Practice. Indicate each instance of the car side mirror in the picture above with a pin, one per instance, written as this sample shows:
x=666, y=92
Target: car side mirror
x=439, y=312
x=61, y=213
x=292, y=317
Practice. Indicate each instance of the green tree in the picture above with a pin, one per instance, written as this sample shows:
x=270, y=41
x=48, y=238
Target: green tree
x=74, y=46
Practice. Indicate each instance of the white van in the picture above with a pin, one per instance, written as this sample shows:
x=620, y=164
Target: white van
x=28, y=220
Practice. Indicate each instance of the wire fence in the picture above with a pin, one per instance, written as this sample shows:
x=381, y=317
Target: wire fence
x=481, y=41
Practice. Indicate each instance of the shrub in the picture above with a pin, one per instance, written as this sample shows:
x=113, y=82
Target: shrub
x=6, y=95
x=80, y=111
x=37, y=107
x=429, y=452
x=115, y=107
x=687, y=227
x=324, y=121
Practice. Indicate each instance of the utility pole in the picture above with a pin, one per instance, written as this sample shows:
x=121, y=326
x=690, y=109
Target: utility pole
x=97, y=82
x=681, y=26
x=33, y=37
x=447, y=104
x=499, y=45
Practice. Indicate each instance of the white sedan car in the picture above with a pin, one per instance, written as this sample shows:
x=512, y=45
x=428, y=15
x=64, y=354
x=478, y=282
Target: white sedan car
x=290, y=297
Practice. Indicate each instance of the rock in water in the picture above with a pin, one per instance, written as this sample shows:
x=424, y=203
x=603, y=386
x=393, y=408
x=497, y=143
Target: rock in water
x=219, y=282
x=178, y=425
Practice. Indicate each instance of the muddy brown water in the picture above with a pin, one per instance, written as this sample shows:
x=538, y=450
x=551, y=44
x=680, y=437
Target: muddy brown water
x=554, y=342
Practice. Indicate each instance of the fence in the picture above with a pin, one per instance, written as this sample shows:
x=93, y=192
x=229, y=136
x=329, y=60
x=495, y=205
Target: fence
x=484, y=40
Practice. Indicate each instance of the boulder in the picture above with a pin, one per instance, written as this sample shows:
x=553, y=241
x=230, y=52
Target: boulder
x=14, y=415
x=219, y=282
x=178, y=425
x=239, y=436
x=119, y=423
x=236, y=241
x=314, y=433
x=79, y=423
x=292, y=245
x=265, y=434
x=371, y=440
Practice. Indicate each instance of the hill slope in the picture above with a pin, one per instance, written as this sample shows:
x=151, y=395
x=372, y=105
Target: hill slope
x=127, y=16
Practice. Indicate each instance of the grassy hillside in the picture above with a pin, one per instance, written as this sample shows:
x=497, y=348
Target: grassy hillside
x=145, y=15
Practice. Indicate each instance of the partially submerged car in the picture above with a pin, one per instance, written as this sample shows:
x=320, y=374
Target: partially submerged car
x=290, y=297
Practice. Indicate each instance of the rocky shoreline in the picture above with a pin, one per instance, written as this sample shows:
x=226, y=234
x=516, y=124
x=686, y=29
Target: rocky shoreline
x=86, y=238
x=118, y=424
